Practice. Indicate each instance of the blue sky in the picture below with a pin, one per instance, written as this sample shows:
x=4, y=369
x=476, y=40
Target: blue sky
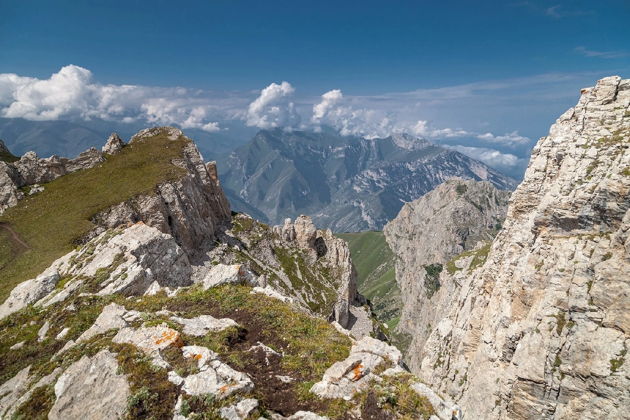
x=473, y=67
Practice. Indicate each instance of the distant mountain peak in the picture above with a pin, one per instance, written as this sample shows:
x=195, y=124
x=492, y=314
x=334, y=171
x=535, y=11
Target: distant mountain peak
x=346, y=183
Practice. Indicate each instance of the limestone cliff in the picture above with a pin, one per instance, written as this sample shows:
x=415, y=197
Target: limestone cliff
x=192, y=208
x=542, y=329
x=426, y=236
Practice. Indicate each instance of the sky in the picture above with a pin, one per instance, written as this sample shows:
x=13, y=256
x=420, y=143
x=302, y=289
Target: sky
x=484, y=77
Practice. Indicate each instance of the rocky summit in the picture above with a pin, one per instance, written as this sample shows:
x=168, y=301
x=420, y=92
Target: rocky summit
x=139, y=294
x=535, y=324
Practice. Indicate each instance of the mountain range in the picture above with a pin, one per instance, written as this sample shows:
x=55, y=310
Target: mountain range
x=345, y=183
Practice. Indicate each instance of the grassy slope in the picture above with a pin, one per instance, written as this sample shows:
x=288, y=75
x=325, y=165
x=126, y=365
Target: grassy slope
x=52, y=220
x=374, y=262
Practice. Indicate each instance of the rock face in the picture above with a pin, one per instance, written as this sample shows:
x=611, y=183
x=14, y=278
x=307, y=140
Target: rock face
x=344, y=183
x=425, y=236
x=542, y=329
x=191, y=209
x=318, y=244
x=91, y=388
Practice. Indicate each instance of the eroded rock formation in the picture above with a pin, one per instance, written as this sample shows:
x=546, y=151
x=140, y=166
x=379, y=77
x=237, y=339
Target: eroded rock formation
x=542, y=329
x=427, y=234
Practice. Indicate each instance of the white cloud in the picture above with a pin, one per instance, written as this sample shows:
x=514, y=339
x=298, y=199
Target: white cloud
x=601, y=54
x=328, y=102
x=507, y=139
x=491, y=157
x=71, y=93
x=334, y=111
x=273, y=108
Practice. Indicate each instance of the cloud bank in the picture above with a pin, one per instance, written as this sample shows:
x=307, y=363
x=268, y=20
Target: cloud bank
x=71, y=94
x=479, y=118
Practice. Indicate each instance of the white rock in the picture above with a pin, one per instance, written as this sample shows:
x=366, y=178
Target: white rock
x=271, y=292
x=344, y=378
x=444, y=410
x=203, y=324
x=11, y=390
x=113, y=145
x=91, y=388
x=113, y=316
x=239, y=411
x=228, y=274
x=29, y=292
x=41, y=334
x=62, y=333
x=149, y=339
x=17, y=346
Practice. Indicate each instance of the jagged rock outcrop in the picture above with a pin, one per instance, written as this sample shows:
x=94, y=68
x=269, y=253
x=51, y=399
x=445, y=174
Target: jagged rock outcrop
x=425, y=236
x=542, y=329
x=113, y=145
x=192, y=208
x=29, y=170
x=126, y=261
x=323, y=244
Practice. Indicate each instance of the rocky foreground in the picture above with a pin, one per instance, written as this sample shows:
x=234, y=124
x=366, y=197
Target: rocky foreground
x=537, y=324
x=170, y=306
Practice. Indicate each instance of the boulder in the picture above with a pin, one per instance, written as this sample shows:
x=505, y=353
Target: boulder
x=113, y=316
x=240, y=410
x=29, y=292
x=215, y=377
x=347, y=377
x=91, y=388
x=228, y=274
x=149, y=339
x=203, y=324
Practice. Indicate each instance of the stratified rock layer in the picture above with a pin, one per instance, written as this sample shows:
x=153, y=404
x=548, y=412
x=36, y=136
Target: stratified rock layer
x=542, y=329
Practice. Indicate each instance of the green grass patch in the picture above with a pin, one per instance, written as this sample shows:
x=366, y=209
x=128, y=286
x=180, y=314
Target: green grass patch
x=432, y=279
x=376, y=273
x=6, y=156
x=479, y=258
x=52, y=221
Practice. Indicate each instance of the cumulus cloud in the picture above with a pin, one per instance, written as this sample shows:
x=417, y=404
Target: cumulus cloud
x=503, y=161
x=71, y=93
x=273, y=108
x=329, y=100
x=508, y=139
x=422, y=128
x=338, y=113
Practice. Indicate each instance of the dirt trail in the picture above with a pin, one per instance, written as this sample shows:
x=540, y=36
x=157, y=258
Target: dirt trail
x=18, y=243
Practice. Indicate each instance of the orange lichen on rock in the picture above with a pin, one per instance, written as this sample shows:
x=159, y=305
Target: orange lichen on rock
x=357, y=372
x=170, y=336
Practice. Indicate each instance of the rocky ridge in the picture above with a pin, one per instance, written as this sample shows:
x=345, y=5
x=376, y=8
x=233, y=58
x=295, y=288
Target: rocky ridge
x=541, y=329
x=226, y=318
x=29, y=170
x=429, y=237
